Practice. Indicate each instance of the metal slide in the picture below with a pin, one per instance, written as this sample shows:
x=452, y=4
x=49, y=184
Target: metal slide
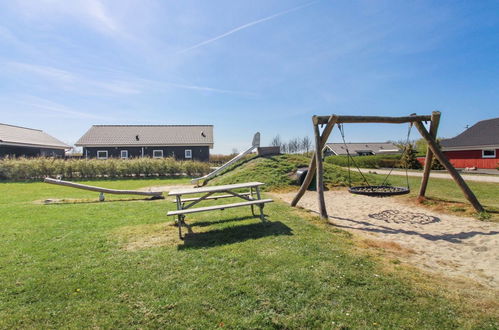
x=255, y=144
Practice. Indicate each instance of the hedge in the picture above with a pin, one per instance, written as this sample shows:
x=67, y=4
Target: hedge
x=374, y=161
x=38, y=168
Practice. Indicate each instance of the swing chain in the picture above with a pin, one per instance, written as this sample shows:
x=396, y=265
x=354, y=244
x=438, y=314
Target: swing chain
x=349, y=156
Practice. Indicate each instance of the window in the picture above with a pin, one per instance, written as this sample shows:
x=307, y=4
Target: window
x=490, y=153
x=124, y=154
x=188, y=153
x=101, y=154
x=157, y=153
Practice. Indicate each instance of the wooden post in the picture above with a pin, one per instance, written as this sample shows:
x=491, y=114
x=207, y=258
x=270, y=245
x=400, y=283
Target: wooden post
x=312, y=166
x=306, y=181
x=435, y=120
x=319, y=177
x=374, y=119
x=448, y=166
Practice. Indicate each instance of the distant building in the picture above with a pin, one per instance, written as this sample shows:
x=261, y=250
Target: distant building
x=478, y=146
x=183, y=142
x=16, y=141
x=360, y=149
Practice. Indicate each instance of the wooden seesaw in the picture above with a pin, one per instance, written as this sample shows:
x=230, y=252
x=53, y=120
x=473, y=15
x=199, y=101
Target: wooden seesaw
x=153, y=194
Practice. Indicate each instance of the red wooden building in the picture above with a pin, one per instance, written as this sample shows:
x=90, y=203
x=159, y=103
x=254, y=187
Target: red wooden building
x=478, y=146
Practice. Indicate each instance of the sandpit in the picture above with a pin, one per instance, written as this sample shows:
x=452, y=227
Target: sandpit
x=441, y=243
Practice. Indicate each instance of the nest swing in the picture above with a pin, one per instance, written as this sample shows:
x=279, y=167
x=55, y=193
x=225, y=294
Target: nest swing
x=383, y=190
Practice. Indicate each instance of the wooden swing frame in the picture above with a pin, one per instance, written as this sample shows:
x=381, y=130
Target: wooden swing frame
x=316, y=164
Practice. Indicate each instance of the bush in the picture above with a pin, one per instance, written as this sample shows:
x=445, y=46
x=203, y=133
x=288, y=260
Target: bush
x=409, y=159
x=374, y=161
x=38, y=168
x=221, y=159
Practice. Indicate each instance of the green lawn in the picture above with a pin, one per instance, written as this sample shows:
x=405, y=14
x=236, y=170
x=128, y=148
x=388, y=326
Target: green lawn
x=119, y=264
x=440, y=191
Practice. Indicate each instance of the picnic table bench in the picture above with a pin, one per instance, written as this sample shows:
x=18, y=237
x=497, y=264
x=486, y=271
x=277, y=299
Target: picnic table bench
x=185, y=205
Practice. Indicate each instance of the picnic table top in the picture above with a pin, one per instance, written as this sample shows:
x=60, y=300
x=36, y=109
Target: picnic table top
x=214, y=188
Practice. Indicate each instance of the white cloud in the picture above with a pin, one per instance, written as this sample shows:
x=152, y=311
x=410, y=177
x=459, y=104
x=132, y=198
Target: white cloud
x=130, y=85
x=247, y=25
x=92, y=13
x=166, y=84
x=50, y=106
x=76, y=82
x=96, y=10
x=46, y=71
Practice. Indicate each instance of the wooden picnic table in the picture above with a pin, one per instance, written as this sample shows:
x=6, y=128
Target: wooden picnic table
x=185, y=205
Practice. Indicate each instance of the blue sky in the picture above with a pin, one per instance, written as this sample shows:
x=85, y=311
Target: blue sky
x=247, y=66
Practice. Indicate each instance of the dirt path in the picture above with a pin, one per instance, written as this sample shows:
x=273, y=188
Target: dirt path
x=467, y=177
x=165, y=189
x=455, y=246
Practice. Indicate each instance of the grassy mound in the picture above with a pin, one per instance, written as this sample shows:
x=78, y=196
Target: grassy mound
x=277, y=173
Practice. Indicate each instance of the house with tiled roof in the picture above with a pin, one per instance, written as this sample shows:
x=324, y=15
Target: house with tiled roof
x=17, y=141
x=183, y=142
x=477, y=146
x=360, y=149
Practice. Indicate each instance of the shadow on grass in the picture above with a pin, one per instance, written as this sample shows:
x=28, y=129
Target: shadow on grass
x=234, y=234
x=209, y=223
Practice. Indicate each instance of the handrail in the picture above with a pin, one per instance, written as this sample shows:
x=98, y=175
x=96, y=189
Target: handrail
x=255, y=144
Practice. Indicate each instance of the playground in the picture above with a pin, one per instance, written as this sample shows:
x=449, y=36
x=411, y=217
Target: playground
x=460, y=247
x=120, y=264
x=339, y=258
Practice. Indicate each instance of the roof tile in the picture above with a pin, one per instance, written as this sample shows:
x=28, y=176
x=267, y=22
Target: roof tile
x=10, y=134
x=152, y=135
x=483, y=133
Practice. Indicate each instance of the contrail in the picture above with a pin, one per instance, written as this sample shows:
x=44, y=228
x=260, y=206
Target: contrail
x=247, y=25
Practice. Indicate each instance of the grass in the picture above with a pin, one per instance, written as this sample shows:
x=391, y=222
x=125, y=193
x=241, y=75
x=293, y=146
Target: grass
x=119, y=264
x=444, y=195
x=277, y=172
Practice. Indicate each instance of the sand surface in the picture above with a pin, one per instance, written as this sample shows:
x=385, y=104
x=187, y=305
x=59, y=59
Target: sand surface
x=166, y=188
x=455, y=246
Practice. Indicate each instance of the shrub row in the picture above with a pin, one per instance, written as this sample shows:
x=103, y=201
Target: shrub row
x=37, y=168
x=375, y=161
x=217, y=159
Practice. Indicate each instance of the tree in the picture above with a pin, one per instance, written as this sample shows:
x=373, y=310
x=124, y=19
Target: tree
x=306, y=144
x=284, y=148
x=294, y=145
x=422, y=148
x=276, y=141
x=435, y=163
x=409, y=159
